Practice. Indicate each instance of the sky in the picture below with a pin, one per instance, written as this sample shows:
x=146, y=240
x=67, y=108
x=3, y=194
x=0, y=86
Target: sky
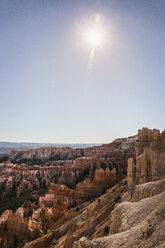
x=53, y=90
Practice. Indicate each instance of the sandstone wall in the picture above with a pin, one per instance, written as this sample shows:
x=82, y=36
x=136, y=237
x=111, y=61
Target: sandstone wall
x=150, y=158
x=86, y=190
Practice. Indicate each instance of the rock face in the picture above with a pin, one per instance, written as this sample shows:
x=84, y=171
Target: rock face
x=42, y=155
x=121, y=220
x=43, y=242
x=148, y=190
x=73, y=166
x=135, y=224
x=88, y=204
x=58, y=156
x=91, y=219
x=20, y=179
x=150, y=158
x=14, y=228
x=139, y=221
x=73, y=177
x=84, y=191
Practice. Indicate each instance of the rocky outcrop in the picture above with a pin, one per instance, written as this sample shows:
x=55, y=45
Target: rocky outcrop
x=20, y=179
x=72, y=167
x=15, y=229
x=148, y=190
x=134, y=224
x=58, y=156
x=138, y=211
x=86, y=190
x=74, y=177
x=149, y=233
x=44, y=242
x=139, y=221
x=91, y=219
x=150, y=158
x=42, y=155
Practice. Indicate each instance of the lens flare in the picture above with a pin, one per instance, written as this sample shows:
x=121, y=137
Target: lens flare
x=93, y=32
x=95, y=37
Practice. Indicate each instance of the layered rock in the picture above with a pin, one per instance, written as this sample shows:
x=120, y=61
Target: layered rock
x=20, y=179
x=42, y=155
x=44, y=242
x=138, y=211
x=139, y=221
x=135, y=224
x=148, y=190
x=150, y=158
x=89, y=219
x=15, y=229
x=58, y=156
x=79, y=165
x=73, y=176
x=86, y=190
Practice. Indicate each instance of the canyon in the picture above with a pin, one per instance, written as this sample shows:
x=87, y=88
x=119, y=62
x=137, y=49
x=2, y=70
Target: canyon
x=104, y=196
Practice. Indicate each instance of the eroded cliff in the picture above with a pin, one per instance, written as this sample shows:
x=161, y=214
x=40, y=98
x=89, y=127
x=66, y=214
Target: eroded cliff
x=73, y=177
x=150, y=158
x=139, y=220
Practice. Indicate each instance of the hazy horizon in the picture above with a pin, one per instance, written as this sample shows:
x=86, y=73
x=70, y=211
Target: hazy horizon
x=56, y=87
x=24, y=142
x=79, y=143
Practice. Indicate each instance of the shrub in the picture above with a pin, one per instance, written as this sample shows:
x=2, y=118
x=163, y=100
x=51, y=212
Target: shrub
x=117, y=198
x=106, y=230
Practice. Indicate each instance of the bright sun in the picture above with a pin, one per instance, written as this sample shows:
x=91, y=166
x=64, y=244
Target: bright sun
x=93, y=33
x=95, y=37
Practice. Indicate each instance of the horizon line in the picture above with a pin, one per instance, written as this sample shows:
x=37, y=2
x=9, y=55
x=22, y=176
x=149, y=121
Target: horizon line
x=34, y=142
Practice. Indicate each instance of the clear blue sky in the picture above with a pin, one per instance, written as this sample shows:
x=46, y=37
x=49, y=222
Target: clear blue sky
x=47, y=93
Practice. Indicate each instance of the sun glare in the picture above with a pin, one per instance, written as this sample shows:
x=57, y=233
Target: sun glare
x=95, y=37
x=93, y=32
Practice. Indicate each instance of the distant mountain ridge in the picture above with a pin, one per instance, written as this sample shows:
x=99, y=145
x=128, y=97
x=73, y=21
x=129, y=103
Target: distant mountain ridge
x=7, y=147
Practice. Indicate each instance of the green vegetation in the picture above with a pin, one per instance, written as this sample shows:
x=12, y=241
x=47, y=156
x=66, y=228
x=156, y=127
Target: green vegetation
x=117, y=198
x=106, y=230
x=77, y=209
x=13, y=203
